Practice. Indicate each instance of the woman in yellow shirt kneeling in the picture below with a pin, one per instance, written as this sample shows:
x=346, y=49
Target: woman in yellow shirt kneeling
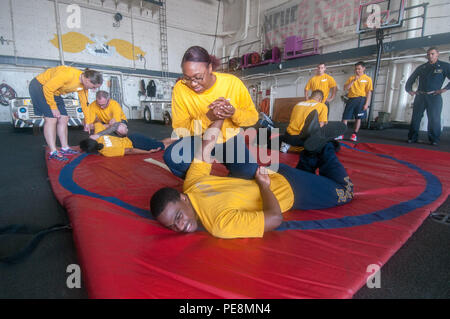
x=202, y=97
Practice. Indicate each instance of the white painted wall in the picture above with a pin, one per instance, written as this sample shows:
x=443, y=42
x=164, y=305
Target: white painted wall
x=189, y=22
x=293, y=85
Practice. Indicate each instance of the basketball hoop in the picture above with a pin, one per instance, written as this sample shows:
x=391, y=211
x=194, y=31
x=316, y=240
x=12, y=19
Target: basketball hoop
x=380, y=14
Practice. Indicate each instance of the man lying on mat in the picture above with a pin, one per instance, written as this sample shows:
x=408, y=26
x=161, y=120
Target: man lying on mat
x=230, y=207
x=115, y=141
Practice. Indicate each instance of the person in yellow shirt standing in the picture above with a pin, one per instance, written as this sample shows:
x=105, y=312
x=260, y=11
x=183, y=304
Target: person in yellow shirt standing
x=299, y=114
x=323, y=82
x=201, y=97
x=230, y=207
x=104, y=110
x=359, y=89
x=45, y=92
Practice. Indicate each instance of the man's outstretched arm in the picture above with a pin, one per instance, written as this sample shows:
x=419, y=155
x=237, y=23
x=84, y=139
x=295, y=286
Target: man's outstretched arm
x=272, y=211
x=209, y=141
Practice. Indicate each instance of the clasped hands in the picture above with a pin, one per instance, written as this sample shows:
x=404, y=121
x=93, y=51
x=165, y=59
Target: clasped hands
x=220, y=109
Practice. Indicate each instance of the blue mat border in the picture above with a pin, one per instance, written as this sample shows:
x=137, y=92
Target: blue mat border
x=432, y=192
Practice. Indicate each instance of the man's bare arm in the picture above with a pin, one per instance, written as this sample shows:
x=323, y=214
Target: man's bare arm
x=111, y=129
x=209, y=141
x=272, y=211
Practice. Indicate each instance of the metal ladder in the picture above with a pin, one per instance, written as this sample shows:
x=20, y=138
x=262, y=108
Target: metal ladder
x=163, y=40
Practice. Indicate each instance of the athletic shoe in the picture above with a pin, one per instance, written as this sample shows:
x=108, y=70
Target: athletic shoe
x=57, y=156
x=267, y=119
x=354, y=138
x=327, y=133
x=284, y=147
x=68, y=152
x=340, y=137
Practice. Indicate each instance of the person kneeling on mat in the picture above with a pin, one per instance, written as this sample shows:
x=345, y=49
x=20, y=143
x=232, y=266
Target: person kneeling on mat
x=230, y=207
x=115, y=141
x=105, y=111
x=294, y=135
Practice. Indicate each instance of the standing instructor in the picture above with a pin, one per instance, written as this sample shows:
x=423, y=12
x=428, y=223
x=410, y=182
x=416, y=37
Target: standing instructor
x=428, y=96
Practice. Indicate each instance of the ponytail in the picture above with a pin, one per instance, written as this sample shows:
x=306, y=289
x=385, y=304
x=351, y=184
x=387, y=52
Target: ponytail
x=215, y=62
x=199, y=54
x=90, y=146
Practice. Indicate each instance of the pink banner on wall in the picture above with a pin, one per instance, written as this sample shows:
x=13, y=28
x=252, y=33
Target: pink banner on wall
x=330, y=21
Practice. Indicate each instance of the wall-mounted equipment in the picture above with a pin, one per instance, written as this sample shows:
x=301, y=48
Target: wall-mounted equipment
x=117, y=18
x=296, y=47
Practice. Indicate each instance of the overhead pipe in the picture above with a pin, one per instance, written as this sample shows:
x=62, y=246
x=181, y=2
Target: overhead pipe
x=263, y=75
x=58, y=31
x=132, y=39
x=392, y=87
x=103, y=10
x=258, y=24
x=398, y=111
x=245, y=31
x=12, y=31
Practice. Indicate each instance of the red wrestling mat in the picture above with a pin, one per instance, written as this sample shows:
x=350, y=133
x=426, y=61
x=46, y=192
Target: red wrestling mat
x=314, y=254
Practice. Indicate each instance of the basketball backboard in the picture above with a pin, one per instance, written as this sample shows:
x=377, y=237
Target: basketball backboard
x=380, y=14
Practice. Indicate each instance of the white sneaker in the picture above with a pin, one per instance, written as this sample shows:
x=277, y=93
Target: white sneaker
x=340, y=137
x=284, y=147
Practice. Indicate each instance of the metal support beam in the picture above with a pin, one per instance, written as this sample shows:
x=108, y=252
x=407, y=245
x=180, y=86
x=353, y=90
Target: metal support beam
x=43, y=63
x=353, y=54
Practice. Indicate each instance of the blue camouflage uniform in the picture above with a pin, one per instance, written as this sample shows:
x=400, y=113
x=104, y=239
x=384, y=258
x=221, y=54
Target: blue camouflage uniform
x=431, y=77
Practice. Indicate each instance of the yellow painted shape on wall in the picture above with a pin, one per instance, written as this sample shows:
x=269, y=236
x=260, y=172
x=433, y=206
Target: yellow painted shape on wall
x=72, y=42
x=125, y=49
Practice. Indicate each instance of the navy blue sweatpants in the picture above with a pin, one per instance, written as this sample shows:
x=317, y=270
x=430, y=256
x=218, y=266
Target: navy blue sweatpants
x=332, y=187
x=145, y=143
x=234, y=154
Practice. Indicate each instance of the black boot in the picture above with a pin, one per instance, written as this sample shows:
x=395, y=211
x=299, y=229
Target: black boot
x=311, y=125
x=325, y=134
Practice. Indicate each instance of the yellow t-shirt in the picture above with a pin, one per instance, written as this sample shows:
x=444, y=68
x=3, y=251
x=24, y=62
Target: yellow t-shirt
x=112, y=111
x=301, y=112
x=360, y=87
x=322, y=82
x=189, y=108
x=114, y=146
x=62, y=80
x=232, y=207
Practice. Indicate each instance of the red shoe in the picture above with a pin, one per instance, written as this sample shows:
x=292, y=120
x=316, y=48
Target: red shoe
x=354, y=138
